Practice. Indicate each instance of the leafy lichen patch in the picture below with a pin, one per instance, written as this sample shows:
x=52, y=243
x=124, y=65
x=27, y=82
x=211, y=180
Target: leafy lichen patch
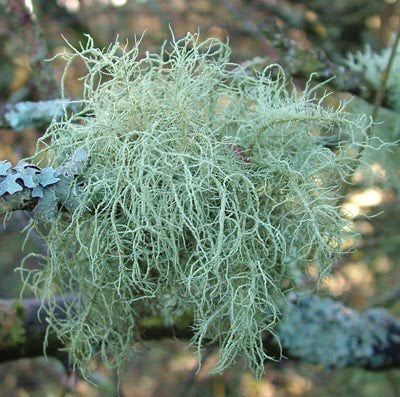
x=345, y=337
x=34, y=114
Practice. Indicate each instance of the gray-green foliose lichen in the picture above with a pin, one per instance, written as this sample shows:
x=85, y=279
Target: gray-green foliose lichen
x=325, y=332
x=34, y=114
x=50, y=186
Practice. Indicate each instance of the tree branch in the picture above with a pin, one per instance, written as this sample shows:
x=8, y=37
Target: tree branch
x=312, y=329
x=23, y=328
x=315, y=330
x=27, y=25
x=23, y=187
x=33, y=114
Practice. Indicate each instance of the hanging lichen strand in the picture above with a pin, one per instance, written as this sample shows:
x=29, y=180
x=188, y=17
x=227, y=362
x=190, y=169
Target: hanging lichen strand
x=205, y=191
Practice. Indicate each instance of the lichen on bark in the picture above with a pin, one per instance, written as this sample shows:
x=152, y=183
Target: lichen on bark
x=12, y=331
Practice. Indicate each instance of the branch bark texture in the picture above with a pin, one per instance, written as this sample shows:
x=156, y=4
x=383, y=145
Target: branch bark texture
x=375, y=344
x=31, y=34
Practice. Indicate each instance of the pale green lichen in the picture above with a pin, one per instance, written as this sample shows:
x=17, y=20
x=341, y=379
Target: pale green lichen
x=206, y=187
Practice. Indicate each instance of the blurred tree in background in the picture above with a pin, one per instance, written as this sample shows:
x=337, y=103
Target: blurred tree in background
x=304, y=37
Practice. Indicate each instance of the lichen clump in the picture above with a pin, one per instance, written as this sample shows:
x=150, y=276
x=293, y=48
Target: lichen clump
x=345, y=337
x=206, y=190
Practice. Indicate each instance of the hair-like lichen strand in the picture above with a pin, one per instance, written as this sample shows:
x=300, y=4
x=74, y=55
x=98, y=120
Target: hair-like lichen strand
x=206, y=190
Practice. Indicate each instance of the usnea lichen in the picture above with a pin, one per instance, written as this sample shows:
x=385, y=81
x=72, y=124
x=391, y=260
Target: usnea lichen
x=206, y=189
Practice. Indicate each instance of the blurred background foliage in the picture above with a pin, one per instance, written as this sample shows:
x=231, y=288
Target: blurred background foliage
x=300, y=35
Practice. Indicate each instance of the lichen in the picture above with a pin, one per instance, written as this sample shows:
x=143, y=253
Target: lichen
x=34, y=114
x=371, y=65
x=12, y=331
x=50, y=187
x=24, y=175
x=345, y=337
x=204, y=190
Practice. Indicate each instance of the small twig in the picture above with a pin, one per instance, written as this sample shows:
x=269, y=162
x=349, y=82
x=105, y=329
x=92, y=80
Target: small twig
x=27, y=25
x=385, y=75
x=381, y=92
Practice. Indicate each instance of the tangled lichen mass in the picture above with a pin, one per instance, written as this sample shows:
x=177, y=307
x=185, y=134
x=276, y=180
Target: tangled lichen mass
x=205, y=191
